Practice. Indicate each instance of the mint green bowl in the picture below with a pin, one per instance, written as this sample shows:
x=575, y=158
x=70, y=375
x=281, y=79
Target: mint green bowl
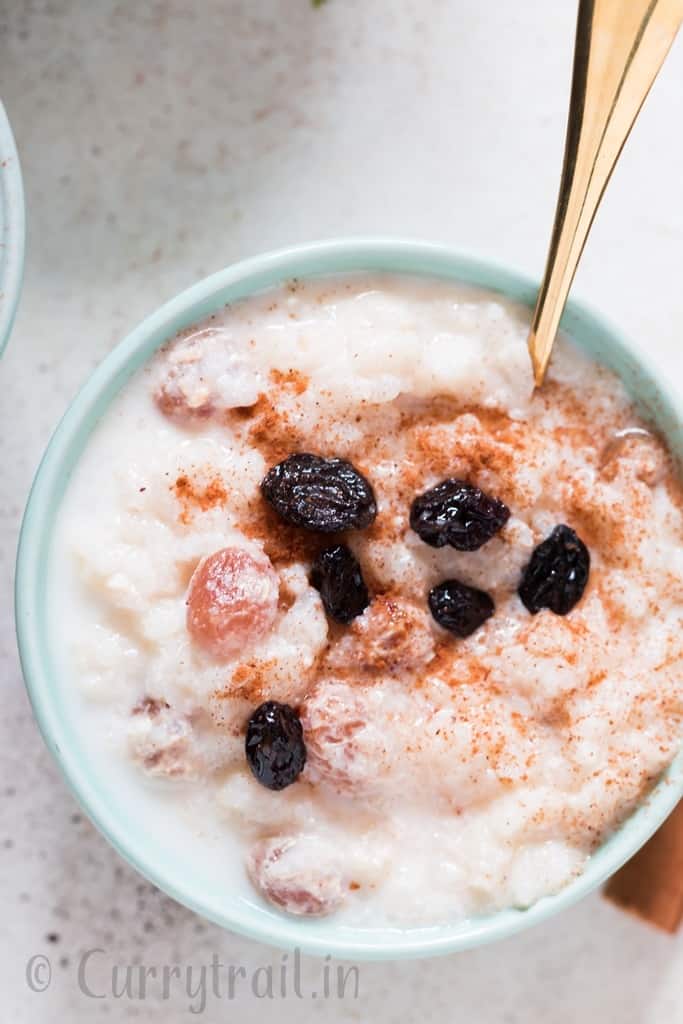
x=148, y=853
x=11, y=229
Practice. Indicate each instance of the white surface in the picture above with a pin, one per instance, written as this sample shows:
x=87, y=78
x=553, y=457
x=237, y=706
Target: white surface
x=159, y=143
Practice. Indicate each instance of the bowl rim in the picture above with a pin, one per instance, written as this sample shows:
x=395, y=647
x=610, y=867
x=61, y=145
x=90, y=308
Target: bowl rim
x=13, y=222
x=63, y=451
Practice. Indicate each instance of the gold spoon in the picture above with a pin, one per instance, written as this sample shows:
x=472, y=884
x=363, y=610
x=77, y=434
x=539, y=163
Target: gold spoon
x=620, y=47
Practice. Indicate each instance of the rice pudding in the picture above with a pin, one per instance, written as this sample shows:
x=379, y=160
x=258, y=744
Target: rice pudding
x=366, y=616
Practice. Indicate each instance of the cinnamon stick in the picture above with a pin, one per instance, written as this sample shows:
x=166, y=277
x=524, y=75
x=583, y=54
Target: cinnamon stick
x=650, y=885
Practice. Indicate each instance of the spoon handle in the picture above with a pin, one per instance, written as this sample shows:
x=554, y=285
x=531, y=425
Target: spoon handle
x=620, y=47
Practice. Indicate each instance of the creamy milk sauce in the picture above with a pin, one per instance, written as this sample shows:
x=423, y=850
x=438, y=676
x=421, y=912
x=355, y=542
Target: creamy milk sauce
x=445, y=777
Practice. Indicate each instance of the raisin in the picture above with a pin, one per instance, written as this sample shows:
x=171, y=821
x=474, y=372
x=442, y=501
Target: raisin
x=297, y=874
x=557, y=574
x=231, y=601
x=337, y=575
x=326, y=495
x=458, y=608
x=456, y=513
x=274, y=745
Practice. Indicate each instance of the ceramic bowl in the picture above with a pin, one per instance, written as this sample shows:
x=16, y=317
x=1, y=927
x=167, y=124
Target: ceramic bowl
x=148, y=853
x=11, y=229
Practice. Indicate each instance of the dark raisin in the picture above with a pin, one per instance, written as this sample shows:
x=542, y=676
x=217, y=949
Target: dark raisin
x=320, y=494
x=456, y=513
x=275, y=745
x=557, y=574
x=337, y=575
x=458, y=608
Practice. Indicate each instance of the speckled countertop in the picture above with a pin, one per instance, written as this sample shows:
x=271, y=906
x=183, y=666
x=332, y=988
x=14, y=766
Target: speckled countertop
x=163, y=140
